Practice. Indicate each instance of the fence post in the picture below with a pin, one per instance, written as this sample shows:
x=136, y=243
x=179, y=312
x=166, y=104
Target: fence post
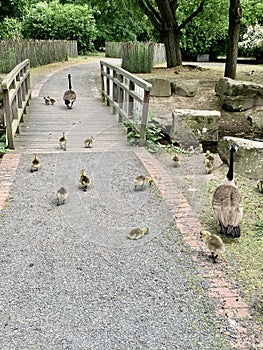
x=145, y=106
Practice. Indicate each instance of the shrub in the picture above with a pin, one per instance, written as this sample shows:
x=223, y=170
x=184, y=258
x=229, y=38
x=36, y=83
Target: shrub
x=10, y=28
x=52, y=20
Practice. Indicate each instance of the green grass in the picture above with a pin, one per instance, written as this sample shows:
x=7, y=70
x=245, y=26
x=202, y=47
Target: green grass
x=244, y=258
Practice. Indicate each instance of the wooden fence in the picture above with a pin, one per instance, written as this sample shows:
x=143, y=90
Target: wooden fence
x=16, y=95
x=128, y=96
x=39, y=52
x=117, y=50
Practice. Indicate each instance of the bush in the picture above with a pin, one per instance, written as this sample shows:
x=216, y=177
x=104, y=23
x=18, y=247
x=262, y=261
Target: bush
x=10, y=28
x=52, y=20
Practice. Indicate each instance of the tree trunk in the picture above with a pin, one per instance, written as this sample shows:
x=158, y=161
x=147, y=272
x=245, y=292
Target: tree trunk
x=235, y=14
x=171, y=41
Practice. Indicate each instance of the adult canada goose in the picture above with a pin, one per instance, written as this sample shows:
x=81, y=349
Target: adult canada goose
x=260, y=185
x=176, y=160
x=35, y=165
x=227, y=202
x=62, y=195
x=88, y=142
x=142, y=181
x=137, y=233
x=213, y=243
x=69, y=95
x=63, y=141
x=84, y=180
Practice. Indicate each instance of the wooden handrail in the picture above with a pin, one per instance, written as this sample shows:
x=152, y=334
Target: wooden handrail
x=127, y=94
x=16, y=95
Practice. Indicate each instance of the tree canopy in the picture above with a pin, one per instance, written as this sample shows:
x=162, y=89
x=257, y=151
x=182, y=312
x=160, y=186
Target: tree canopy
x=187, y=27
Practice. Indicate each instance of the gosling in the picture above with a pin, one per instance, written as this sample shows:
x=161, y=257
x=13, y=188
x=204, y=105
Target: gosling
x=88, y=142
x=209, y=167
x=63, y=141
x=47, y=101
x=35, y=165
x=260, y=185
x=142, y=181
x=214, y=243
x=176, y=161
x=209, y=156
x=62, y=195
x=137, y=233
x=51, y=100
x=84, y=180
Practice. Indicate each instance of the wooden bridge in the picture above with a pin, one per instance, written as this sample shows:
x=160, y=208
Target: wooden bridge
x=42, y=125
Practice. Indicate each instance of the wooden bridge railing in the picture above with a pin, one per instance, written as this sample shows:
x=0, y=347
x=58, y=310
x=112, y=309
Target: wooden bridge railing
x=16, y=95
x=128, y=96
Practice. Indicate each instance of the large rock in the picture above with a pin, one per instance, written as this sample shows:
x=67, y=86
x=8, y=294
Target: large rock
x=187, y=88
x=255, y=115
x=191, y=127
x=160, y=87
x=248, y=158
x=236, y=95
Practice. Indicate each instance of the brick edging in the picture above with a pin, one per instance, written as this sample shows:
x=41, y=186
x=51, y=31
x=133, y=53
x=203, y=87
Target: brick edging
x=8, y=167
x=229, y=302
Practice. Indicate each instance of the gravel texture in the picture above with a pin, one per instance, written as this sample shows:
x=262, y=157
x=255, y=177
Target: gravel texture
x=70, y=277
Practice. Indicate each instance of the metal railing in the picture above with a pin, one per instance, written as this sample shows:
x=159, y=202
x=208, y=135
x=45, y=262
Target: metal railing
x=16, y=95
x=127, y=95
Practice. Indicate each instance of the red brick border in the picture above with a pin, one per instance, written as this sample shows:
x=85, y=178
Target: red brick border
x=228, y=300
x=8, y=168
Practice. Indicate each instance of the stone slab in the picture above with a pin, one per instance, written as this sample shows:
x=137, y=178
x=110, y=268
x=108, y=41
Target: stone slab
x=248, y=158
x=160, y=87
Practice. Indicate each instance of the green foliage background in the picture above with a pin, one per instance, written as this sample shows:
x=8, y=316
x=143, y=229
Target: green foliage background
x=92, y=22
x=56, y=21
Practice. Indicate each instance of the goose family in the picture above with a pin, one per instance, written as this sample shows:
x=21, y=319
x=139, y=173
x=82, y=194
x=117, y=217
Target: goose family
x=227, y=202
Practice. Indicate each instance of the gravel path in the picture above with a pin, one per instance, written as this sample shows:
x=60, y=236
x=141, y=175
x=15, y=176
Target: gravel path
x=70, y=278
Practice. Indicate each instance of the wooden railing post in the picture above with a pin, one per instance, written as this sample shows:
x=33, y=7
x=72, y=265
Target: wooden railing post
x=102, y=81
x=130, y=99
x=8, y=119
x=145, y=106
x=120, y=97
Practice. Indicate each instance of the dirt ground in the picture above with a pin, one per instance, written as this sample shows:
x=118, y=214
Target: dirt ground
x=234, y=123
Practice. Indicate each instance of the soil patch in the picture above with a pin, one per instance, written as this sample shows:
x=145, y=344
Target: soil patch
x=235, y=123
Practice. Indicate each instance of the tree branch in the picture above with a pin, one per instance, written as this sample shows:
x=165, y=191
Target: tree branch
x=173, y=6
x=151, y=13
x=193, y=14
